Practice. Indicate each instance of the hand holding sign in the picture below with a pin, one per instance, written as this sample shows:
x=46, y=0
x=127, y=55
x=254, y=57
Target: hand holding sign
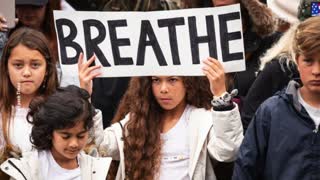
x=215, y=73
x=87, y=73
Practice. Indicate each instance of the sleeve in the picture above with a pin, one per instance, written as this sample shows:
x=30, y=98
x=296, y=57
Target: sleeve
x=226, y=135
x=268, y=82
x=109, y=146
x=250, y=162
x=109, y=140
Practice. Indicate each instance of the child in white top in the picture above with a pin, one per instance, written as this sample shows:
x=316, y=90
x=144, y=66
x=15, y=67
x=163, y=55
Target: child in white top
x=60, y=131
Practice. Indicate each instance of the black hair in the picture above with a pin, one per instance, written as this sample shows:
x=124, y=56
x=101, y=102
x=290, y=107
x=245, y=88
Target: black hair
x=63, y=109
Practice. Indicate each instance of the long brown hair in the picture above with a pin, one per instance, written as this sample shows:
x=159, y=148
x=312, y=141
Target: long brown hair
x=33, y=40
x=142, y=144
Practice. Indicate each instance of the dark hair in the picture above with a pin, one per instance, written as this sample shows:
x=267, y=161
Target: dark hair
x=63, y=109
x=34, y=40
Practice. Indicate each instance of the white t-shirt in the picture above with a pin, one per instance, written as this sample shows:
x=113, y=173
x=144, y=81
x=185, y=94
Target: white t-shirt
x=313, y=112
x=176, y=150
x=51, y=170
x=20, y=130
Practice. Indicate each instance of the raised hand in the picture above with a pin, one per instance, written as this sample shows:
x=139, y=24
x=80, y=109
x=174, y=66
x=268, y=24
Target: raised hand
x=3, y=24
x=214, y=71
x=87, y=73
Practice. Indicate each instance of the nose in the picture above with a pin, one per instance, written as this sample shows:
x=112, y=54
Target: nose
x=316, y=68
x=164, y=87
x=74, y=143
x=26, y=72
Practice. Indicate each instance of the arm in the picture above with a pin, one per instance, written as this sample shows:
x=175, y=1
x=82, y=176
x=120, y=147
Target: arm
x=252, y=154
x=107, y=140
x=226, y=135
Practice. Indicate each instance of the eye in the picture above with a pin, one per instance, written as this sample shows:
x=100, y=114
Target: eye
x=173, y=80
x=65, y=137
x=155, y=80
x=35, y=65
x=81, y=137
x=18, y=65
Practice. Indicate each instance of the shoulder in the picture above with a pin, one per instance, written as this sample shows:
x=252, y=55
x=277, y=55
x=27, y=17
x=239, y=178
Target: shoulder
x=272, y=104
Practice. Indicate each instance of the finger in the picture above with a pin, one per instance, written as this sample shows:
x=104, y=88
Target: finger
x=89, y=70
x=2, y=19
x=80, y=60
x=94, y=75
x=213, y=66
x=212, y=74
x=89, y=62
x=3, y=27
x=216, y=62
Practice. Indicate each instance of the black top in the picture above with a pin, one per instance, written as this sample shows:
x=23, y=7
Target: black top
x=274, y=77
x=257, y=47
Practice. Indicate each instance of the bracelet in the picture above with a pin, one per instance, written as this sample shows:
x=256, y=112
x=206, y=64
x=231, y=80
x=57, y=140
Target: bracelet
x=224, y=101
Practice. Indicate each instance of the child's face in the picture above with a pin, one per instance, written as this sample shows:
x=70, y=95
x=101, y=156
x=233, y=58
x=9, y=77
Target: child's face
x=169, y=91
x=309, y=70
x=27, y=67
x=31, y=16
x=67, y=143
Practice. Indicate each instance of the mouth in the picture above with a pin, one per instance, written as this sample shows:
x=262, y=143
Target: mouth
x=72, y=152
x=165, y=100
x=26, y=81
x=315, y=82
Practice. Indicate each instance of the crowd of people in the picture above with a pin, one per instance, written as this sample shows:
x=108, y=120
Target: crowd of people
x=57, y=126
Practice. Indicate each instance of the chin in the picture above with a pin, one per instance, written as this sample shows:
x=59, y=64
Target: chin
x=167, y=107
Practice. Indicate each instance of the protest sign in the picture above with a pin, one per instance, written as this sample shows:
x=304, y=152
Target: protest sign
x=152, y=43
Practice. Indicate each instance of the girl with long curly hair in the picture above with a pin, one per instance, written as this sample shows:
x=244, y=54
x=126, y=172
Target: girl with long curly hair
x=166, y=127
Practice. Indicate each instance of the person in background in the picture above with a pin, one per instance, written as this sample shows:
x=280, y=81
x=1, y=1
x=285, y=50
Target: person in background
x=277, y=68
x=282, y=141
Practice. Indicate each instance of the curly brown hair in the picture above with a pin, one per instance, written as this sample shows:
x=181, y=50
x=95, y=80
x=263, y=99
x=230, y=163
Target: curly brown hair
x=142, y=143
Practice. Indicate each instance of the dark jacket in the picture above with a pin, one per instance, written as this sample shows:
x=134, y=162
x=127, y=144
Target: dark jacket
x=281, y=143
x=273, y=78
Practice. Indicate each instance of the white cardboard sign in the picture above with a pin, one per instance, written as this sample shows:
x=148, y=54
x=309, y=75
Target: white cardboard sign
x=152, y=43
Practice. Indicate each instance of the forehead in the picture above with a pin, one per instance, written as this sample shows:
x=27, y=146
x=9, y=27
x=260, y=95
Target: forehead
x=314, y=56
x=77, y=128
x=23, y=52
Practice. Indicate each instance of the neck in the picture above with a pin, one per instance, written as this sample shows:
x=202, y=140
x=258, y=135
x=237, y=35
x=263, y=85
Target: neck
x=171, y=117
x=25, y=100
x=313, y=99
x=64, y=162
